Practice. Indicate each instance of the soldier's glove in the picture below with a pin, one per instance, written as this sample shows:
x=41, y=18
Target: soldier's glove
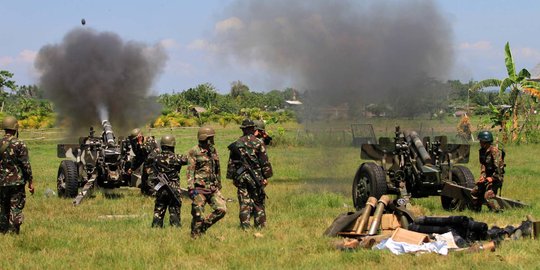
x=193, y=193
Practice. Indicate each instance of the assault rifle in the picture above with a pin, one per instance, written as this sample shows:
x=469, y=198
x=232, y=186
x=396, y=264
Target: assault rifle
x=164, y=183
x=247, y=165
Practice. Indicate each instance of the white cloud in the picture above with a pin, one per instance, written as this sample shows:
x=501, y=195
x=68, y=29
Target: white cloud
x=202, y=44
x=28, y=56
x=6, y=60
x=169, y=43
x=232, y=23
x=479, y=45
x=528, y=52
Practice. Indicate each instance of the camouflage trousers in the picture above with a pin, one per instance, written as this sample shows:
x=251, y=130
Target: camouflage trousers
x=485, y=192
x=166, y=200
x=199, y=223
x=12, y=201
x=251, y=202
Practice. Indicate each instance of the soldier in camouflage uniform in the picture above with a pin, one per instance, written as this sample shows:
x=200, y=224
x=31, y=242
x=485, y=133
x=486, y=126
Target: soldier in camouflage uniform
x=491, y=173
x=260, y=132
x=252, y=159
x=204, y=182
x=15, y=172
x=168, y=163
x=142, y=147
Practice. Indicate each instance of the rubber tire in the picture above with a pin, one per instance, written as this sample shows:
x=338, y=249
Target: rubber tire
x=462, y=176
x=375, y=184
x=68, y=169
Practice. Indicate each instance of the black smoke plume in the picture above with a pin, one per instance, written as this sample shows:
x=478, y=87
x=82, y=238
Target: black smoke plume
x=341, y=51
x=92, y=76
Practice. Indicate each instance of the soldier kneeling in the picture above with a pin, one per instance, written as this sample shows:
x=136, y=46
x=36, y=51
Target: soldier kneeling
x=491, y=173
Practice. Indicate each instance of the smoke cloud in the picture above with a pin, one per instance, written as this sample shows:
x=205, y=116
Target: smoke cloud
x=93, y=75
x=342, y=51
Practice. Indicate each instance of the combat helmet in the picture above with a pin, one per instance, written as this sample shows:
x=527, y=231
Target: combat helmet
x=135, y=132
x=168, y=140
x=10, y=123
x=485, y=136
x=247, y=123
x=205, y=133
x=259, y=124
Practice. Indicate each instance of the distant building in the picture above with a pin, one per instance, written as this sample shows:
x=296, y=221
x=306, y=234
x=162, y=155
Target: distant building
x=197, y=110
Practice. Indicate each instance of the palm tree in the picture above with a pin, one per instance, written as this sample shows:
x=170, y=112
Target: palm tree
x=518, y=84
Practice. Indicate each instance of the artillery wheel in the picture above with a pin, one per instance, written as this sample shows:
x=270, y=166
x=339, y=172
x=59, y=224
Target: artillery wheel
x=369, y=181
x=67, y=181
x=462, y=176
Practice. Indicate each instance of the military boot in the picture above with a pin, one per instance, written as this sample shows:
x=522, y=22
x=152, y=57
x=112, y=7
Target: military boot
x=157, y=222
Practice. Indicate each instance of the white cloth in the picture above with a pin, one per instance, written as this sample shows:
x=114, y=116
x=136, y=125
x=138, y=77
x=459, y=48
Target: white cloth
x=440, y=247
x=448, y=238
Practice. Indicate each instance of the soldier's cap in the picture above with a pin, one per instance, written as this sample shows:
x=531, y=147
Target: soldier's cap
x=485, y=136
x=205, y=133
x=259, y=124
x=135, y=132
x=10, y=123
x=247, y=123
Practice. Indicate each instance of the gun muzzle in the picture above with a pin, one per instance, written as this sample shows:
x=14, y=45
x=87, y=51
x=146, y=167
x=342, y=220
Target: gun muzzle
x=362, y=222
x=108, y=134
x=377, y=216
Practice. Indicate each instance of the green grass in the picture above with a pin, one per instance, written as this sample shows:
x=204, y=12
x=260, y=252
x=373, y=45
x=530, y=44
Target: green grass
x=310, y=188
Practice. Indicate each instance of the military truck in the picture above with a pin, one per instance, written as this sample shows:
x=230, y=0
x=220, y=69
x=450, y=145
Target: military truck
x=411, y=167
x=97, y=160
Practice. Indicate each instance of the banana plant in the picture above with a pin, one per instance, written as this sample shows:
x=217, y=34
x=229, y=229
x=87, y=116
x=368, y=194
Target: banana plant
x=518, y=83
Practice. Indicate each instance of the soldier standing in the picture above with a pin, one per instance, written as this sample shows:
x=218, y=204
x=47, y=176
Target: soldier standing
x=15, y=172
x=142, y=147
x=204, y=182
x=491, y=173
x=260, y=132
x=250, y=169
x=166, y=164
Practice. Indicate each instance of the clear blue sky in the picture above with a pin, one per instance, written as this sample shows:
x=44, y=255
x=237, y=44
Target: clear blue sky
x=481, y=28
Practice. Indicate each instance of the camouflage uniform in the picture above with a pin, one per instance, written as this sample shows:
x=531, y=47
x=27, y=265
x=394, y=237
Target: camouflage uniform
x=15, y=172
x=169, y=163
x=250, y=199
x=204, y=184
x=491, y=177
x=142, y=150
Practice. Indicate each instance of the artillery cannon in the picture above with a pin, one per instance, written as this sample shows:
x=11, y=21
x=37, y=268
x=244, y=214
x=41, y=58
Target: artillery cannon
x=103, y=161
x=412, y=168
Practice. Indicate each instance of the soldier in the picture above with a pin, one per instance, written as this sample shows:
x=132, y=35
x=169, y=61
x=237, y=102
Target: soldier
x=15, y=172
x=260, y=132
x=204, y=182
x=142, y=147
x=491, y=173
x=250, y=169
x=166, y=163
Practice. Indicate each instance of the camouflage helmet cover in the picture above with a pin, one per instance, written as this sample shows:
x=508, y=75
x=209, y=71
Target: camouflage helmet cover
x=259, y=124
x=168, y=140
x=10, y=122
x=205, y=133
x=485, y=136
x=247, y=123
x=135, y=132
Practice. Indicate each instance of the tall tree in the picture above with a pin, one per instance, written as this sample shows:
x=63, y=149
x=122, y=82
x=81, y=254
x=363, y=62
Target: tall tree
x=238, y=88
x=5, y=82
x=518, y=84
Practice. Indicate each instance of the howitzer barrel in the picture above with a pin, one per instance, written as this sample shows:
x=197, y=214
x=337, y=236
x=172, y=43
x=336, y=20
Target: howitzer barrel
x=377, y=216
x=108, y=134
x=424, y=155
x=362, y=222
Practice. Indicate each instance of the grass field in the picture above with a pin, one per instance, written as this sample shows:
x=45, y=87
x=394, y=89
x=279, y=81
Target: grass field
x=310, y=188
